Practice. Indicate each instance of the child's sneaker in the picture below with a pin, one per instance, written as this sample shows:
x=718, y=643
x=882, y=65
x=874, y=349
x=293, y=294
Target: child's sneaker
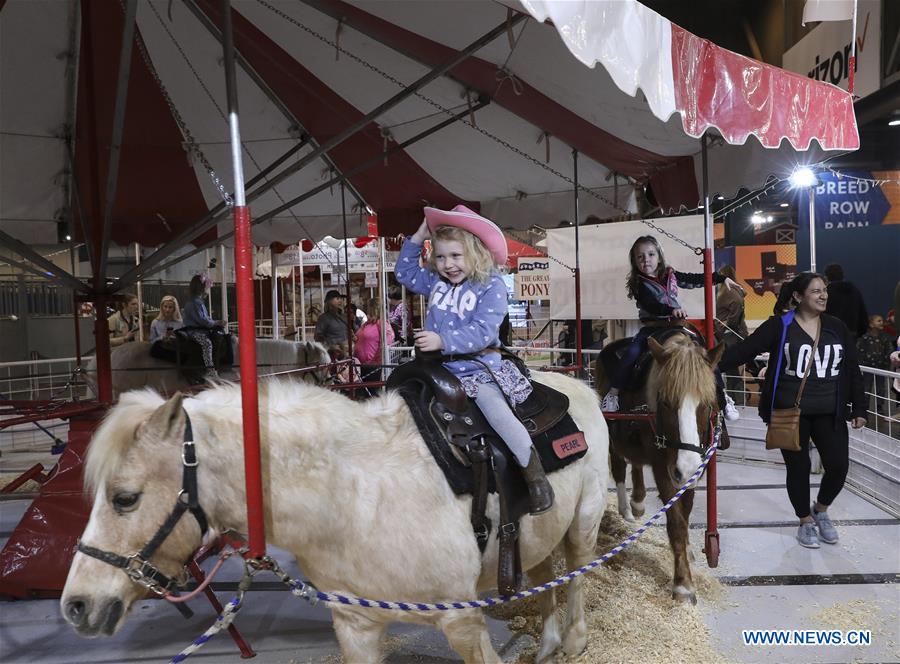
x=827, y=532
x=807, y=535
x=731, y=413
x=610, y=403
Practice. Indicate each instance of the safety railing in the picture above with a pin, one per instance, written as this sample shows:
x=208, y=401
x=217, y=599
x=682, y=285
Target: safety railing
x=36, y=380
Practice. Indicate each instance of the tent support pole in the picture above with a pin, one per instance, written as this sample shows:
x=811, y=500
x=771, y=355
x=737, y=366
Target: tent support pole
x=347, y=310
x=224, y=290
x=243, y=263
x=115, y=150
x=711, y=539
x=276, y=319
x=302, y=294
x=579, y=358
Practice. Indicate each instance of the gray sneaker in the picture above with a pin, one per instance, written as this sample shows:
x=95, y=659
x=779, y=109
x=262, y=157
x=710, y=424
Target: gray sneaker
x=827, y=532
x=807, y=535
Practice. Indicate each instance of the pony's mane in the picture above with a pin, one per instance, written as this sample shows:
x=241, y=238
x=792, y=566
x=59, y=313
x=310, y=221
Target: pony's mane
x=113, y=437
x=686, y=371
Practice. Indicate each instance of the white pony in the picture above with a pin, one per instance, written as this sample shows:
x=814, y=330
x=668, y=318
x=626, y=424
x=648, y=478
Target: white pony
x=350, y=489
x=134, y=368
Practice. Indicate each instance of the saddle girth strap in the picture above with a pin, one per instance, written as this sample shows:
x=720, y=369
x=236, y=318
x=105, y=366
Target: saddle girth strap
x=509, y=561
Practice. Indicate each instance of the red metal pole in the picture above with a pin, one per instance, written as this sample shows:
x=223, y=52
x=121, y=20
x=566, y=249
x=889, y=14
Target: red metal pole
x=101, y=352
x=711, y=539
x=243, y=265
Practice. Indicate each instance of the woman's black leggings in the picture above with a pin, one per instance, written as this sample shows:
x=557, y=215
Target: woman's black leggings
x=833, y=446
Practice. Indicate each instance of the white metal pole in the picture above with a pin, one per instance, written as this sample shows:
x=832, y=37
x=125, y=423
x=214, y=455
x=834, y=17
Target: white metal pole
x=302, y=296
x=322, y=287
x=383, y=304
x=209, y=292
x=812, y=228
x=294, y=299
x=223, y=299
x=140, y=293
x=274, y=264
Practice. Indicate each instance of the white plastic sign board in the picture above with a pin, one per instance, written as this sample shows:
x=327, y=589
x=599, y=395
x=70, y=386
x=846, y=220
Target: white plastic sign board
x=533, y=279
x=605, y=266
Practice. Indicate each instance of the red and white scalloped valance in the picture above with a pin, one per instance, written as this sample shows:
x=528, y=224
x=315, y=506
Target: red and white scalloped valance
x=707, y=85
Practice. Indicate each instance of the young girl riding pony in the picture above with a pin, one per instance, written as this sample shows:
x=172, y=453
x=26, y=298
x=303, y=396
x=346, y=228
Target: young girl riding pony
x=654, y=287
x=467, y=302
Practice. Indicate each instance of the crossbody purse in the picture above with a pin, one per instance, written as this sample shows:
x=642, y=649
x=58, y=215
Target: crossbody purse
x=784, y=424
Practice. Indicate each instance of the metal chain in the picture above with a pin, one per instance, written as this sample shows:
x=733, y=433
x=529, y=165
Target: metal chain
x=192, y=146
x=441, y=108
x=661, y=231
x=212, y=100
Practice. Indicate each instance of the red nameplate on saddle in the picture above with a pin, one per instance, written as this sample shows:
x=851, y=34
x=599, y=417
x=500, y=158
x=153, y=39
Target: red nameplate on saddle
x=569, y=445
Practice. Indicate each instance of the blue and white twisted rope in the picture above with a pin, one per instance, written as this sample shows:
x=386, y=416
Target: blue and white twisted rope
x=312, y=594
x=223, y=620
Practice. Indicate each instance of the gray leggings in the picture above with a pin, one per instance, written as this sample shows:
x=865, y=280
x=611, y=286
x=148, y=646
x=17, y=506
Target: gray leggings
x=492, y=403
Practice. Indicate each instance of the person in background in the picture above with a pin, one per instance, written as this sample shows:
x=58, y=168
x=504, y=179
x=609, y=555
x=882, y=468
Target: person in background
x=874, y=349
x=124, y=324
x=197, y=323
x=367, y=348
x=845, y=301
x=834, y=380
x=398, y=315
x=162, y=329
x=730, y=325
x=331, y=327
x=890, y=323
x=359, y=317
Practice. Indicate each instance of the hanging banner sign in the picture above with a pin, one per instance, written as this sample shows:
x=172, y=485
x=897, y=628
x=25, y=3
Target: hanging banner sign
x=533, y=279
x=824, y=54
x=361, y=259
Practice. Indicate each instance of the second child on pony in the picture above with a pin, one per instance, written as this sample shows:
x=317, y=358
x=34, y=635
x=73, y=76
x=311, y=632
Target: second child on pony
x=653, y=285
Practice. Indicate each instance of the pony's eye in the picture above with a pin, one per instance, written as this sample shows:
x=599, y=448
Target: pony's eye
x=123, y=502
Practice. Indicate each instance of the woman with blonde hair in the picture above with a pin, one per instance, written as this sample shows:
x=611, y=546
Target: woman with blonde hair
x=162, y=329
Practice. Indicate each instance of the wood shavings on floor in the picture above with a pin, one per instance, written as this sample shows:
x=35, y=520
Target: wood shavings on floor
x=630, y=613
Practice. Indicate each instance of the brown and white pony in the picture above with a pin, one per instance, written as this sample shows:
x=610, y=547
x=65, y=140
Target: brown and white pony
x=350, y=489
x=681, y=391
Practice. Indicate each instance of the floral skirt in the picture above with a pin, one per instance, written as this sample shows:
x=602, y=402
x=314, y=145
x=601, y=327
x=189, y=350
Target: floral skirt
x=508, y=378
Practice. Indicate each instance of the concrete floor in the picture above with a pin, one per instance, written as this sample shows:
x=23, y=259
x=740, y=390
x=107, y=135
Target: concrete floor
x=771, y=582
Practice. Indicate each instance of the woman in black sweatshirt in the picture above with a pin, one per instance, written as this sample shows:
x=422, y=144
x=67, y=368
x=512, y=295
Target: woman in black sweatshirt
x=834, y=380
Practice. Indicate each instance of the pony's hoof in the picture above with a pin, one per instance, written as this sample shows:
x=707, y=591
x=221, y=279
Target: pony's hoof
x=683, y=595
x=545, y=657
x=627, y=515
x=575, y=642
x=637, y=509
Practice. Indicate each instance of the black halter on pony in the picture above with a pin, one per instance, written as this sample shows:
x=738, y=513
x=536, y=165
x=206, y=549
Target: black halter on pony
x=137, y=566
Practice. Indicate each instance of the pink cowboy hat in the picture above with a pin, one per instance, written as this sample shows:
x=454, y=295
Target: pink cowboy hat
x=484, y=229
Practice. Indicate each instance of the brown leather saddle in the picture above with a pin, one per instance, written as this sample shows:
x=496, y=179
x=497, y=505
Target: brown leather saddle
x=611, y=354
x=474, y=459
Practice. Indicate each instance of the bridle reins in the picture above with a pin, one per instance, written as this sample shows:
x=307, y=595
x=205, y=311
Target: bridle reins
x=138, y=566
x=662, y=441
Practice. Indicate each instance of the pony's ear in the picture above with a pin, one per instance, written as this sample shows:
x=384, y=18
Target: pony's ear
x=714, y=354
x=167, y=418
x=656, y=350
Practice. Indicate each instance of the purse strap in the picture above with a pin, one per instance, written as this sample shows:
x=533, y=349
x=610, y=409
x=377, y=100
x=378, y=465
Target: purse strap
x=812, y=359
